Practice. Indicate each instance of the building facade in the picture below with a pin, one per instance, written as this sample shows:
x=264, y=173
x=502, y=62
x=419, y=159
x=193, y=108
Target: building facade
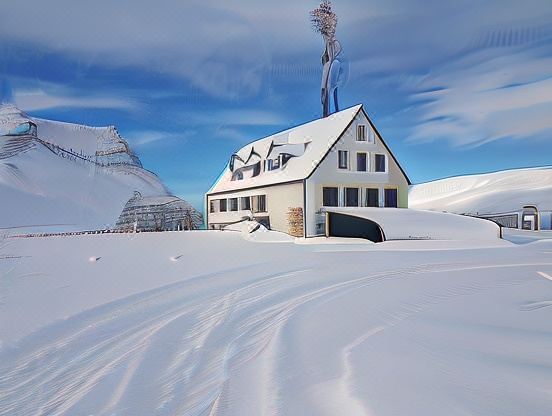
x=286, y=180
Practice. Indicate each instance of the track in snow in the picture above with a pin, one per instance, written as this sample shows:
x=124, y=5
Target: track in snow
x=320, y=333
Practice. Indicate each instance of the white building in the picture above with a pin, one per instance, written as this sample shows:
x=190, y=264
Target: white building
x=285, y=180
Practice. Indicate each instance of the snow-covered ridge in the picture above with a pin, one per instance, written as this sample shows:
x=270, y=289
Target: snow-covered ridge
x=57, y=176
x=103, y=145
x=489, y=193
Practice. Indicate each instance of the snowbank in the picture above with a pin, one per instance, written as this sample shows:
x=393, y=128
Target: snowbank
x=410, y=224
x=253, y=231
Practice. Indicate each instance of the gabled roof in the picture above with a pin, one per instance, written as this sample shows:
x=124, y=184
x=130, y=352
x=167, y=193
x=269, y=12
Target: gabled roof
x=318, y=137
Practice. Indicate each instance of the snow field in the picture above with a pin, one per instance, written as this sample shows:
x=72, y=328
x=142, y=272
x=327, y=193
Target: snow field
x=201, y=323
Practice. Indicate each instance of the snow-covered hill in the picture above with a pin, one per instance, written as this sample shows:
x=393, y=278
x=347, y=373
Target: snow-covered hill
x=65, y=176
x=490, y=193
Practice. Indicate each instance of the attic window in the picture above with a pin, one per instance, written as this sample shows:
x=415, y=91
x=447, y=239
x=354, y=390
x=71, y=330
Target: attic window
x=343, y=159
x=273, y=164
x=361, y=133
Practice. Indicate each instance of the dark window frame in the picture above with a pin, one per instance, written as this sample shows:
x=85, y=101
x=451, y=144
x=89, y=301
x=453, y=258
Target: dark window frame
x=377, y=167
x=346, y=159
x=247, y=205
x=346, y=196
x=369, y=202
x=365, y=154
x=395, y=200
x=261, y=203
x=361, y=133
x=330, y=200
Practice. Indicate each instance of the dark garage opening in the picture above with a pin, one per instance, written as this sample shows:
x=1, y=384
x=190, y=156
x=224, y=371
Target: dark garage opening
x=341, y=225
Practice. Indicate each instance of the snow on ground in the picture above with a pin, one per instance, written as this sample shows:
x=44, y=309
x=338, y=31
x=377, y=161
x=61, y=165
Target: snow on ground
x=209, y=323
x=498, y=192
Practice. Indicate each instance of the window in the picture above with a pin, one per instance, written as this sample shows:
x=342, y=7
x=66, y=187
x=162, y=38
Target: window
x=380, y=163
x=245, y=203
x=372, y=197
x=237, y=176
x=351, y=197
x=233, y=204
x=361, y=162
x=330, y=197
x=361, y=133
x=391, y=198
x=259, y=203
x=343, y=159
x=262, y=203
x=223, y=205
x=256, y=169
x=272, y=164
x=212, y=206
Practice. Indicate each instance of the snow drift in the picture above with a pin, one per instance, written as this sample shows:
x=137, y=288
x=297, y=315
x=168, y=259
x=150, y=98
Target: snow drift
x=410, y=224
x=66, y=176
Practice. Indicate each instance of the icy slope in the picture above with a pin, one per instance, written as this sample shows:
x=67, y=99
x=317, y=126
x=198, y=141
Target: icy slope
x=206, y=323
x=497, y=192
x=67, y=177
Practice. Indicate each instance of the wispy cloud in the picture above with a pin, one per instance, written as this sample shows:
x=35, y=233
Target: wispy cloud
x=144, y=138
x=38, y=99
x=486, y=96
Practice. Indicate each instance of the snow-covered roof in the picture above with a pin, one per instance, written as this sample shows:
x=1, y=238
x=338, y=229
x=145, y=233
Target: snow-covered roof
x=309, y=142
x=154, y=200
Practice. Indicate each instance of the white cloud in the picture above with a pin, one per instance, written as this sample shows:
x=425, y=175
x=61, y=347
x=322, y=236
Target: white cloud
x=38, y=99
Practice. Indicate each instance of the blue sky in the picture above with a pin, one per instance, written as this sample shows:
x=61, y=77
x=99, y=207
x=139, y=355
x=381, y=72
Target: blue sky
x=454, y=87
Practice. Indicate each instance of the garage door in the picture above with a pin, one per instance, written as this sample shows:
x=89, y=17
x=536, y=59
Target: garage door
x=341, y=225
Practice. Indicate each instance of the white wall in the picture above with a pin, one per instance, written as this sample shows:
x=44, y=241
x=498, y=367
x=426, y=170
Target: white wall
x=328, y=173
x=279, y=198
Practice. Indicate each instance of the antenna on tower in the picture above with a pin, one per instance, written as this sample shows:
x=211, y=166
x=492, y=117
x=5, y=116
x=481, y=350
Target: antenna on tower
x=334, y=67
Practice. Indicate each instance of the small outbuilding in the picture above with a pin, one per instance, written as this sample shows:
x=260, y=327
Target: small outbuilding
x=160, y=213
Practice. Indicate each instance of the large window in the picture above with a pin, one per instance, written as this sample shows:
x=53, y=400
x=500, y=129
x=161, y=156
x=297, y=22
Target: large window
x=361, y=162
x=223, y=205
x=330, y=197
x=245, y=203
x=233, y=204
x=351, y=197
x=258, y=203
x=361, y=133
x=372, y=197
x=343, y=159
x=380, y=163
x=391, y=198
